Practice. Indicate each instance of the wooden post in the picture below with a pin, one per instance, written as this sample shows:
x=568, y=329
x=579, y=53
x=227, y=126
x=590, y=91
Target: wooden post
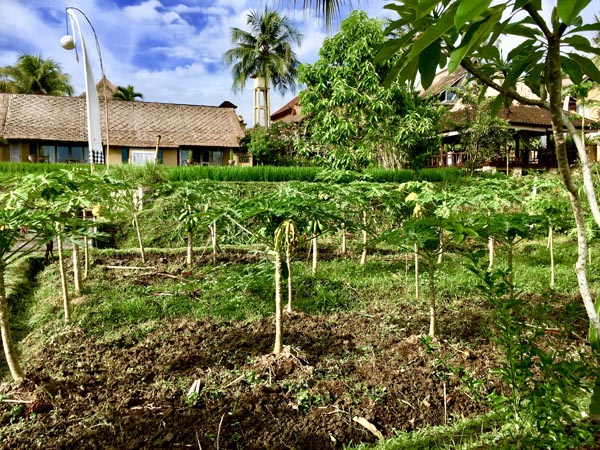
x=156, y=150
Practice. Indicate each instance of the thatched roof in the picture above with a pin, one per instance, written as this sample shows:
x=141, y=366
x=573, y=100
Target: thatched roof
x=131, y=124
x=104, y=88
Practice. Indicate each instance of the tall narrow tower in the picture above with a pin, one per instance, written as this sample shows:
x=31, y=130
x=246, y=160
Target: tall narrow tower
x=262, y=114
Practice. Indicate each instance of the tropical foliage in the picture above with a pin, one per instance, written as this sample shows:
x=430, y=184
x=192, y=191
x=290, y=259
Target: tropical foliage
x=352, y=120
x=273, y=146
x=33, y=74
x=466, y=33
x=127, y=93
x=265, y=52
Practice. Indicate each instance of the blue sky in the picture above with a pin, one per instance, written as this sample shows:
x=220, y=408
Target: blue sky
x=169, y=50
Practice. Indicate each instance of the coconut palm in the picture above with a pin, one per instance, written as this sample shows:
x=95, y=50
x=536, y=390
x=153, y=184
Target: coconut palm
x=328, y=9
x=127, y=93
x=264, y=52
x=33, y=74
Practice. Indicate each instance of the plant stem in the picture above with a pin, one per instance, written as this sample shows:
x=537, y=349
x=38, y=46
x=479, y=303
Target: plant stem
x=190, y=251
x=9, y=349
x=63, y=280
x=76, y=269
x=278, y=347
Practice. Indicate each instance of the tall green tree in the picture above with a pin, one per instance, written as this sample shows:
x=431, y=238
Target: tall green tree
x=127, y=93
x=265, y=52
x=466, y=33
x=352, y=120
x=33, y=74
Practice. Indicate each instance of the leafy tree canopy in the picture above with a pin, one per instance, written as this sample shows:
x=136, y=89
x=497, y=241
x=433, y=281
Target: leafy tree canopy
x=33, y=74
x=127, y=93
x=352, y=119
x=264, y=51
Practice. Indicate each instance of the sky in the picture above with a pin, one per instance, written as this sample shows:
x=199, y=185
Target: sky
x=169, y=50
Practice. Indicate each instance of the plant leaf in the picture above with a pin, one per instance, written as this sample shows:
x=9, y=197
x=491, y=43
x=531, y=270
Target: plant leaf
x=568, y=10
x=428, y=62
x=468, y=10
x=587, y=66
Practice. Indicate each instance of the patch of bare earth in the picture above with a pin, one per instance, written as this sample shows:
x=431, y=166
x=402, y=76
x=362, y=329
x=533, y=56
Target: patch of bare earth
x=343, y=373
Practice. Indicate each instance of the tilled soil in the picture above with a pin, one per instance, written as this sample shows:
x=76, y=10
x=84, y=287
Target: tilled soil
x=346, y=377
x=130, y=393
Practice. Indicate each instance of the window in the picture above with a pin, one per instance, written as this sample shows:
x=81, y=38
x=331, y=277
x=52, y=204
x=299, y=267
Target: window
x=141, y=156
x=64, y=153
x=184, y=156
x=244, y=159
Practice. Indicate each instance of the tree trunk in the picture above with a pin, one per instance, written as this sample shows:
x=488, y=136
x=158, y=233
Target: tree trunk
x=63, y=280
x=190, y=251
x=416, y=271
x=491, y=252
x=288, y=261
x=431, y=298
x=555, y=85
x=278, y=347
x=7, y=342
x=313, y=241
x=138, y=233
x=76, y=269
x=363, y=256
x=441, y=248
x=588, y=183
x=86, y=257
x=213, y=239
x=551, y=247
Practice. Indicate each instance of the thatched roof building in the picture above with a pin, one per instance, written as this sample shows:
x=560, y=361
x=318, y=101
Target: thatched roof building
x=31, y=124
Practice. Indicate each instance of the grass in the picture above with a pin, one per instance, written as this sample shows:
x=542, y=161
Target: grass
x=124, y=306
x=150, y=173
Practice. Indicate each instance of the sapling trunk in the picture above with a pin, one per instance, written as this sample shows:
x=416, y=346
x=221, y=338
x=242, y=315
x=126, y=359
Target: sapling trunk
x=190, y=250
x=213, y=239
x=315, y=250
x=557, y=116
x=9, y=349
x=278, y=347
x=86, y=257
x=63, y=280
x=431, y=264
x=288, y=261
x=441, y=248
x=76, y=269
x=491, y=252
x=363, y=257
x=551, y=247
x=343, y=238
x=138, y=233
x=416, y=271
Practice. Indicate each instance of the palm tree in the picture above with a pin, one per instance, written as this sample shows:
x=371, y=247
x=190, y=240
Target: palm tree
x=33, y=74
x=264, y=52
x=328, y=9
x=127, y=93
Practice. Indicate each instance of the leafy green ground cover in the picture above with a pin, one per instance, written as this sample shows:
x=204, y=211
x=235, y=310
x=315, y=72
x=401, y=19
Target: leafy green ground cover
x=184, y=350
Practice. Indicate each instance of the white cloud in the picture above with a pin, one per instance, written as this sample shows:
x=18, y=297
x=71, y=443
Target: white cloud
x=188, y=38
x=146, y=11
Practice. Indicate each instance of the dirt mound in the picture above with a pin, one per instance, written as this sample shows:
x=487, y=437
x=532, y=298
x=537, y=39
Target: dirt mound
x=212, y=385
